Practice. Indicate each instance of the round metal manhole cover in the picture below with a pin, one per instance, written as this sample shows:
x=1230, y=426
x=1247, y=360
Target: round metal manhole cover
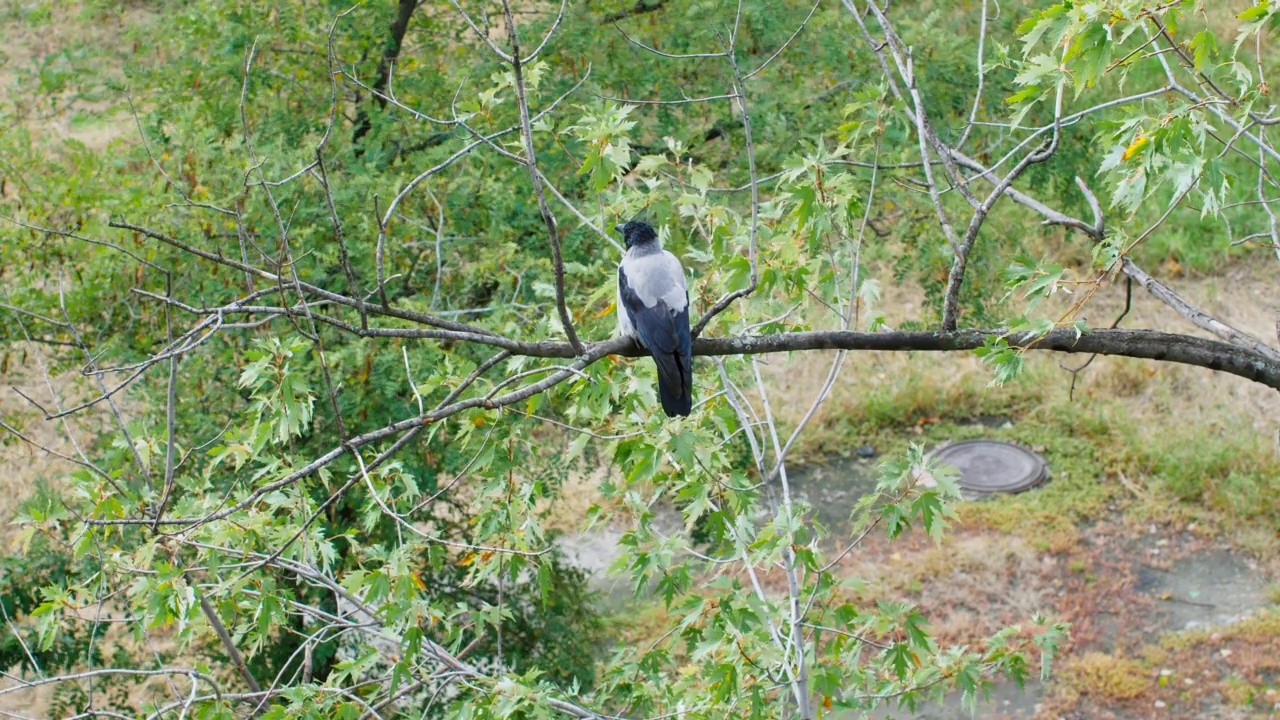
x=988, y=466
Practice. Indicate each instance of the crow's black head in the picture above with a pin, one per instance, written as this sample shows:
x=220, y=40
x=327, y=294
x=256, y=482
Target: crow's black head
x=637, y=232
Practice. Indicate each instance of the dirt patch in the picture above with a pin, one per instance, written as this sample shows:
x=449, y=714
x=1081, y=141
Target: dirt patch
x=1165, y=623
x=832, y=488
x=1147, y=602
x=59, y=78
x=1209, y=588
x=22, y=462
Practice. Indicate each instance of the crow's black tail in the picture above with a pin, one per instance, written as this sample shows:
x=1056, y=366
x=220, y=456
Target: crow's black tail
x=675, y=384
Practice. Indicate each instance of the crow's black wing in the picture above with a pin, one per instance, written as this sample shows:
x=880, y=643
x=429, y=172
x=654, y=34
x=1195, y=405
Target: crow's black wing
x=678, y=400
x=664, y=332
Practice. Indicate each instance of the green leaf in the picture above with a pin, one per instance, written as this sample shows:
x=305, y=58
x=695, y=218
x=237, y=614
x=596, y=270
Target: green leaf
x=1049, y=641
x=913, y=625
x=1030, y=92
x=1205, y=46
x=1038, y=69
x=1005, y=360
x=901, y=659
x=929, y=507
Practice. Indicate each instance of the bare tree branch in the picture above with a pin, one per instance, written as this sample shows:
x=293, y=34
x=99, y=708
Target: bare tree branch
x=531, y=161
x=951, y=297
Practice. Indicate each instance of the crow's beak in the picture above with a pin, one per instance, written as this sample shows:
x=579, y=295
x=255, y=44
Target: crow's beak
x=619, y=226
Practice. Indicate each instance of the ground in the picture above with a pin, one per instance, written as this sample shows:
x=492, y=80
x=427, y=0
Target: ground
x=1157, y=537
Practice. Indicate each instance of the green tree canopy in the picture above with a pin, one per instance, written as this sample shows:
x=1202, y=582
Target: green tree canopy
x=358, y=261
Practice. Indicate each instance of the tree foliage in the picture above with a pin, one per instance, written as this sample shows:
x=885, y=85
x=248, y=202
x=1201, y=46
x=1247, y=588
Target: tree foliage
x=358, y=274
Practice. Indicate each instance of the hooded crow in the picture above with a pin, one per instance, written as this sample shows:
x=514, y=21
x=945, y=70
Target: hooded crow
x=653, y=308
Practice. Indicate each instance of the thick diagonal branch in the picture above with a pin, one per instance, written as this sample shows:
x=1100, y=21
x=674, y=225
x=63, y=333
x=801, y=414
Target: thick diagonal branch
x=1195, y=315
x=1248, y=350
x=227, y=644
x=1096, y=231
x=951, y=299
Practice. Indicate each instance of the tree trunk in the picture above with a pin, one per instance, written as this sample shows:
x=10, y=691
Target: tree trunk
x=400, y=26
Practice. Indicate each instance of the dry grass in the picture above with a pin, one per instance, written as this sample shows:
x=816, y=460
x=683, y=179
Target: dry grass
x=22, y=463
x=1106, y=677
x=1152, y=395
x=580, y=492
x=40, y=40
x=969, y=587
x=1231, y=671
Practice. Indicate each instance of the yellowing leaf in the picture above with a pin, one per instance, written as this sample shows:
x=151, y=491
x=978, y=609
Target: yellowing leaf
x=608, y=309
x=1136, y=146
